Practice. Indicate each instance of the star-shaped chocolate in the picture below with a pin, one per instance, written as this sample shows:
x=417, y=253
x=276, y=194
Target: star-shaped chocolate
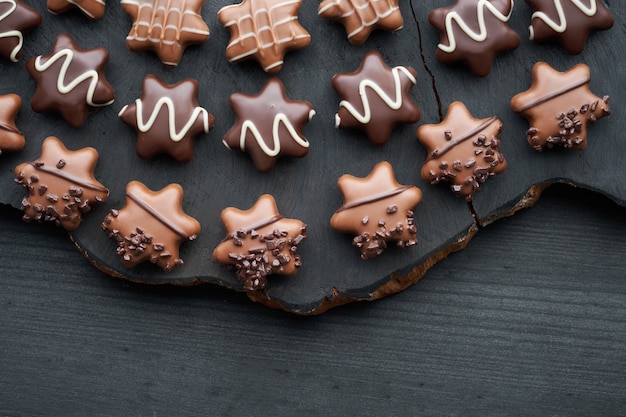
x=61, y=184
x=474, y=32
x=70, y=80
x=93, y=9
x=375, y=98
x=568, y=21
x=260, y=242
x=11, y=139
x=362, y=17
x=166, y=27
x=264, y=30
x=167, y=118
x=15, y=19
x=558, y=106
x=151, y=226
x=462, y=150
x=269, y=125
x=377, y=209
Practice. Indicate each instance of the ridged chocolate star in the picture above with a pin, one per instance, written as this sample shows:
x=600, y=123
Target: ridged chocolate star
x=167, y=118
x=269, y=125
x=11, y=139
x=93, y=9
x=15, y=18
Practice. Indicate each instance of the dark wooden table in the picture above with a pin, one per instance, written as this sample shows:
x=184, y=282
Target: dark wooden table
x=539, y=330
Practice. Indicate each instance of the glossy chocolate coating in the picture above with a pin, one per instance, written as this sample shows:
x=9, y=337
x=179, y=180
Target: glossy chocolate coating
x=558, y=106
x=70, y=81
x=375, y=98
x=362, y=17
x=269, y=125
x=462, y=150
x=260, y=242
x=15, y=19
x=61, y=184
x=474, y=32
x=160, y=105
x=568, y=21
x=151, y=226
x=93, y=9
x=11, y=139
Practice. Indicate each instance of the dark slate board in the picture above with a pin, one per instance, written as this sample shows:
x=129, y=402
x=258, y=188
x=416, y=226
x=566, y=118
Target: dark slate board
x=306, y=188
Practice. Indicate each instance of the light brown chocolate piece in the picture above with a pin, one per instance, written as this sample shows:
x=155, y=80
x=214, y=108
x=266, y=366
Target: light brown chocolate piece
x=166, y=27
x=462, y=150
x=151, y=226
x=558, y=106
x=362, y=17
x=11, y=139
x=378, y=210
x=93, y=9
x=260, y=242
x=61, y=184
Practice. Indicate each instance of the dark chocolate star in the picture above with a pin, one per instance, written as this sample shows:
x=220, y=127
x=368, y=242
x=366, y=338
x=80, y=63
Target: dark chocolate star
x=11, y=139
x=474, y=32
x=15, y=18
x=70, y=80
x=568, y=21
x=269, y=125
x=167, y=118
x=375, y=98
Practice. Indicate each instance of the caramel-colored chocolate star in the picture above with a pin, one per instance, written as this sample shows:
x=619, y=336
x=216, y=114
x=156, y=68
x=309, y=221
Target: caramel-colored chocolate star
x=462, y=150
x=375, y=98
x=377, y=209
x=269, y=125
x=362, y=17
x=61, y=184
x=568, y=21
x=15, y=18
x=93, y=9
x=167, y=118
x=474, y=32
x=264, y=30
x=151, y=226
x=558, y=106
x=166, y=27
x=260, y=242
x=11, y=139
x=70, y=80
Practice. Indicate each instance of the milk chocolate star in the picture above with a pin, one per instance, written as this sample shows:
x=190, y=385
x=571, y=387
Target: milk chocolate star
x=11, y=139
x=93, y=9
x=264, y=30
x=568, y=21
x=61, y=184
x=269, y=125
x=151, y=226
x=15, y=18
x=375, y=98
x=474, y=32
x=462, y=150
x=260, y=242
x=362, y=17
x=70, y=81
x=166, y=27
x=167, y=118
x=558, y=106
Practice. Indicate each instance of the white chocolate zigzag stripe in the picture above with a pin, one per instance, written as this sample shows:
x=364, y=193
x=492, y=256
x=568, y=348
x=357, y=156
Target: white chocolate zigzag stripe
x=364, y=24
x=479, y=36
x=144, y=126
x=82, y=8
x=393, y=103
x=67, y=55
x=278, y=119
x=12, y=33
x=562, y=25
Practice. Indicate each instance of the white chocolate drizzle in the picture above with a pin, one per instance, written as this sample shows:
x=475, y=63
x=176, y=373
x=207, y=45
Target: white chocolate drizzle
x=355, y=9
x=68, y=55
x=561, y=26
x=393, y=103
x=144, y=126
x=12, y=33
x=479, y=36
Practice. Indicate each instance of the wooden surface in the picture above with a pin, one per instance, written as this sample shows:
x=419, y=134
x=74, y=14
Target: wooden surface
x=529, y=319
